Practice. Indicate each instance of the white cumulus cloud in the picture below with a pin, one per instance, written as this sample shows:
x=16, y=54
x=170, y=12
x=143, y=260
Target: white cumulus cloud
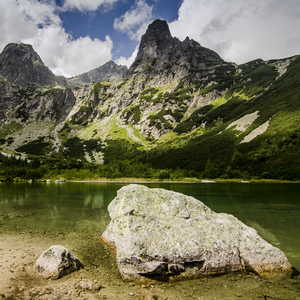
x=22, y=19
x=135, y=21
x=127, y=61
x=241, y=30
x=83, y=54
x=86, y=5
x=38, y=23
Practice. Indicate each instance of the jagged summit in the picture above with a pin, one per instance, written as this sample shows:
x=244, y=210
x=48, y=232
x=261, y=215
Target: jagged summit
x=20, y=65
x=160, y=52
x=157, y=35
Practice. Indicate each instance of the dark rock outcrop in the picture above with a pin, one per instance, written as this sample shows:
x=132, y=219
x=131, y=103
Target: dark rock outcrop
x=29, y=91
x=160, y=53
x=21, y=65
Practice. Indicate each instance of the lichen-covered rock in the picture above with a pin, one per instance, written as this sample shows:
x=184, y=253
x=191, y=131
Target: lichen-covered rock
x=160, y=234
x=56, y=262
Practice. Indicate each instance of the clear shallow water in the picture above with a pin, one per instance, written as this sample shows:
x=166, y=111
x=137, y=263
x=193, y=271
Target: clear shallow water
x=60, y=208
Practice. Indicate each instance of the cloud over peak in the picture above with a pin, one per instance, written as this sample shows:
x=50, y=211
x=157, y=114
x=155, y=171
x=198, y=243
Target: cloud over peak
x=237, y=30
x=241, y=30
x=38, y=23
x=135, y=21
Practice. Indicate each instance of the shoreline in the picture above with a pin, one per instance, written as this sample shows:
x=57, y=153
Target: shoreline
x=180, y=181
x=20, y=251
x=145, y=180
x=22, y=241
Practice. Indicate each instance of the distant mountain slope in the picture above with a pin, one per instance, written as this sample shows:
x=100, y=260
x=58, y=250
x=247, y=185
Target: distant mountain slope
x=179, y=107
x=108, y=72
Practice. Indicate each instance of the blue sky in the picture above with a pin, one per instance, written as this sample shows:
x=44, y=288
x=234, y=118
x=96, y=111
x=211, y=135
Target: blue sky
x=75, y=36
x=99, y=23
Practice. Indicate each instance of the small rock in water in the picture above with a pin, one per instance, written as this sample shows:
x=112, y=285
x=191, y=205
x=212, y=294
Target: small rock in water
x=56, y=262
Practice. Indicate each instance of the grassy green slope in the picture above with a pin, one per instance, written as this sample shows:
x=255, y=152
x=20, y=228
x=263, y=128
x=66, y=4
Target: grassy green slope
x=218, y=152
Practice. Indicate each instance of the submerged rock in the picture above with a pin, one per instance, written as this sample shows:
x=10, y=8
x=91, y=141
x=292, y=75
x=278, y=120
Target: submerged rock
x=89, y=285
x=56, y=262
x=160, y=234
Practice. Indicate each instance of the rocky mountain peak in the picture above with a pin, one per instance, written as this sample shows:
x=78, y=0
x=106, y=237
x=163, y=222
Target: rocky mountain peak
x=20, y=65
x=160, y=52
x=157, y=34
x=154, y=43
x=22, y=51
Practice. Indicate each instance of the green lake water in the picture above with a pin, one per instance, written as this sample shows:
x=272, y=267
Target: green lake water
x=58, y=209
x=272, y=209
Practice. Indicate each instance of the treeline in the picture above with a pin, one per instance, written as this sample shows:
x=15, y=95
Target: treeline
x=15, y=169
x=121, y=169
x=210, y=158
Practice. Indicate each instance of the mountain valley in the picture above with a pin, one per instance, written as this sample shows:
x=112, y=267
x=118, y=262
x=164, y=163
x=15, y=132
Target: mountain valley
x=179, y=111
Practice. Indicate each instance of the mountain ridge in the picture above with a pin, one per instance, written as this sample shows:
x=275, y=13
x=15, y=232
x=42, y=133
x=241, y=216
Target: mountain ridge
x=110, y=71
x=178, y=106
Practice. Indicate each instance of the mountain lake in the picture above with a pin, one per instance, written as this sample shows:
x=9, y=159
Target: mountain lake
x=35, y=216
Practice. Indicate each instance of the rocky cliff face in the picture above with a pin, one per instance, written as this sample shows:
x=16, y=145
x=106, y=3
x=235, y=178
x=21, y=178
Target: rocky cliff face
x=163, y=66
x=161, y=54
x=32, y=98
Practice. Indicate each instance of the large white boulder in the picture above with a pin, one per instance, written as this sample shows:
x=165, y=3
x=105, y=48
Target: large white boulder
x=56, y=262
x=160, y=234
